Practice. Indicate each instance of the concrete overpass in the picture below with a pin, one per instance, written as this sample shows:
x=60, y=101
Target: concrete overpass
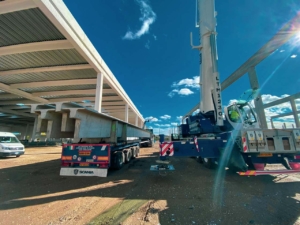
x=45, y=57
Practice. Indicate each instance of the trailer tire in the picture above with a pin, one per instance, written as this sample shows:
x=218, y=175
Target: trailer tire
x=118, y=160
x=209, y=163
x=135, y=152
x=128, y=156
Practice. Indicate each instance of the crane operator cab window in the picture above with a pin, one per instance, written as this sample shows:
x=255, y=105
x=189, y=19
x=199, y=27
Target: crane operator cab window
x=247, y=113
x=234, y=114
x=241, y=113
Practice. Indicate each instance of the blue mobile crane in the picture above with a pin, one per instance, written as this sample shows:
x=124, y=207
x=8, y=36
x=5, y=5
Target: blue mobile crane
x=232, y=138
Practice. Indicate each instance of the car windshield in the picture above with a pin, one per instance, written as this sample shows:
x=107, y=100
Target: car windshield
x=6, y=139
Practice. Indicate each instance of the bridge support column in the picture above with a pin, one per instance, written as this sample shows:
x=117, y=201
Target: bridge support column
x=99, y=92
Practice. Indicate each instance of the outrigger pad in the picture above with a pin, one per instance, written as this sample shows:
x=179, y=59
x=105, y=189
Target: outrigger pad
x=164, y=167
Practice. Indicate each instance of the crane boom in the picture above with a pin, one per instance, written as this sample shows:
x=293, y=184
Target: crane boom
x=209, y=76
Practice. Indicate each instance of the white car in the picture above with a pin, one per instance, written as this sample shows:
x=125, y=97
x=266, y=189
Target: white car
x=10, y=145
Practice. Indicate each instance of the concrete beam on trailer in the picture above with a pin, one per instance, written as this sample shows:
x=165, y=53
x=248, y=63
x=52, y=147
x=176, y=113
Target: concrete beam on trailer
x=67, y=123
x=113, y=132
x=35, y=47
x=54, y=124
x=88, y=123
x=289, y=30
x=35, y=107
x=45, y=69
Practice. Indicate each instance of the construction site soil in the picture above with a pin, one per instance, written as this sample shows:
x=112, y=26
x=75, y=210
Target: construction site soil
x=32, y=192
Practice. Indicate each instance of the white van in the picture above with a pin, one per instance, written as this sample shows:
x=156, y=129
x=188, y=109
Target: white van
x=10, y=145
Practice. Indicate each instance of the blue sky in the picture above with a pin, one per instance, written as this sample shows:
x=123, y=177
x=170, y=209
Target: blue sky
x=146, y=45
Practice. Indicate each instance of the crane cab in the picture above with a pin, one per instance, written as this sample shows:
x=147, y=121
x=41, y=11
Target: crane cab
x=241, y=115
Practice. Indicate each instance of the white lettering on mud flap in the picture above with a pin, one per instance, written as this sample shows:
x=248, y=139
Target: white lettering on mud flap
x=99, y=172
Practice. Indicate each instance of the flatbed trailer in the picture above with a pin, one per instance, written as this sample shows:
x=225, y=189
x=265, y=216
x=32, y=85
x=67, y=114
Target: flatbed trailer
x=96, y=159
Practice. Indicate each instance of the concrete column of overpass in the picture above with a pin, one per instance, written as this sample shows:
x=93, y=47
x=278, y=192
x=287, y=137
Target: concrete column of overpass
x=99, y=91
x=296, y=117
x=126, y=113
x=26, y=132
x=258, y=101
x=34, y=128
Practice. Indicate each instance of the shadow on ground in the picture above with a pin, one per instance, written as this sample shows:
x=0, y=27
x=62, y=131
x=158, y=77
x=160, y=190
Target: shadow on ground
x=192, y=193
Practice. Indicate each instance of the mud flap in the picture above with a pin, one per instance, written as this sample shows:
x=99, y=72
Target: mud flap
x=83, y=172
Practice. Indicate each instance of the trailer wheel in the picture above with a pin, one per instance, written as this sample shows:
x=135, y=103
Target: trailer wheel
x=135, y=152
x=209, y=163
x=118, y=160
x=128, y=156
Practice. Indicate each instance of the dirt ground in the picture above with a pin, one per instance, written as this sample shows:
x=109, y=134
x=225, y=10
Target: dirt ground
x=32, y=192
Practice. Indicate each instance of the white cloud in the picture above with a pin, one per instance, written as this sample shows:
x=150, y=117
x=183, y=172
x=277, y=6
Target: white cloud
x=174, y=124
x=173, y=92
x=187, y=82
x=152, y=119
x=148, y=17
x=293, y=56
x=185, y=91
x=165, y=117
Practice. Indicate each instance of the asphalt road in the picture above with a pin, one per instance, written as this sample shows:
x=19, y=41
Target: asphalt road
x=32, y=192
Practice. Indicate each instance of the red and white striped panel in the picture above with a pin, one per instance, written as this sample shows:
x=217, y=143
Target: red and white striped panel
x=196, y=143
x=164, y=147
x=245, y=148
